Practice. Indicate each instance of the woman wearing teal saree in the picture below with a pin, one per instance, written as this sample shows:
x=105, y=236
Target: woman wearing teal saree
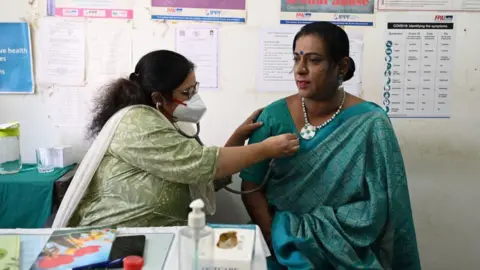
x=342, y=202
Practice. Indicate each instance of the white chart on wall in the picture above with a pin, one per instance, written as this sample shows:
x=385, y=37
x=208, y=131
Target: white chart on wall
x=419, y=54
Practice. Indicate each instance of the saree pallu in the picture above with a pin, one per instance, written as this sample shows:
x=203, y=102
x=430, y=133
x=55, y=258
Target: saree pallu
x=344, y=203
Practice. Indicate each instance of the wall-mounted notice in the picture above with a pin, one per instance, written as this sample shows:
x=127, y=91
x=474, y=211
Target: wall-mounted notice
x=275, y=73
x=219, y=11
x=354, y=85
x=419, y=54
x=115, y=9
x=16, y=73
x=109, y=46
x=70, y=106
x=340, y=12
x=62, y=47
x=427, y=5
x=200, y=45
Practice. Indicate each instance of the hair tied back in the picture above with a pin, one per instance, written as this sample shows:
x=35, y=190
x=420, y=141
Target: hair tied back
x=351, y=64
x=133, y=77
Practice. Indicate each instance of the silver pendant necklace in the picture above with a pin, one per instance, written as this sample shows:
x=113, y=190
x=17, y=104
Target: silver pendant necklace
x=308, y=131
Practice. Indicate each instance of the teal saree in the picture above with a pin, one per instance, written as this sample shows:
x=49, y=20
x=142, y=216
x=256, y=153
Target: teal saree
x=343, y=202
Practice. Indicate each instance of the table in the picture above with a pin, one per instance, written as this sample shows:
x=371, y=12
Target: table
x=151, y=254
x=26, y=197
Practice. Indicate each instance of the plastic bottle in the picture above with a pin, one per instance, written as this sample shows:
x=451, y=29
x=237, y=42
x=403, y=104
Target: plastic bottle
x=196, y=243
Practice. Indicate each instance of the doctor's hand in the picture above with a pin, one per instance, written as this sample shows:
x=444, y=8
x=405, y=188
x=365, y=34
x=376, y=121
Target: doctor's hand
x=243, y=132
x=281, y=145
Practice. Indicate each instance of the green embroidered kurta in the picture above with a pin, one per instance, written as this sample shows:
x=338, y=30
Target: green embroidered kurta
x=144, y=178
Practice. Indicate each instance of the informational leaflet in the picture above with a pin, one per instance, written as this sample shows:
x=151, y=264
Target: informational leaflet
x=115, y=9
x=228, y=11
x=340, y=12
x=275, y=72
x=63, y=49
x=419, y=53
x=109, y=46
x=70, y=106
x=16, y=72
x=200, y=45
x=429, y=5
x=354, y=85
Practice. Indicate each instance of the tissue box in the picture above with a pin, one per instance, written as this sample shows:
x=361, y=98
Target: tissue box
x=62, y=156
x=240, y=256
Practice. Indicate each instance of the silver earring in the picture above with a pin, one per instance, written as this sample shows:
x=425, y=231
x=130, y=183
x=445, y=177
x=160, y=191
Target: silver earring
x=158, y=105
x=340, y=83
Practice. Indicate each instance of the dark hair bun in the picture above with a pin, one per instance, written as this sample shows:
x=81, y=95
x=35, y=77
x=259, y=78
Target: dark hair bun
x=350, y=71
x=133, y=77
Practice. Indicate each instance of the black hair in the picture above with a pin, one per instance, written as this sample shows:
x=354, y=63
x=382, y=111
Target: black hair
x=158, y=71
x=336, y=40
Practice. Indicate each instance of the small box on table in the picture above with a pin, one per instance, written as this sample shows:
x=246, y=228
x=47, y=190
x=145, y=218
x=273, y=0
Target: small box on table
x=234, y=246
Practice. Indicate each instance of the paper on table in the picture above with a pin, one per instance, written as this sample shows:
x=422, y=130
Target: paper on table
x=30, y=247
x=62, y=47
x=276, y=60
x=200, y=45
x=70, y=106
x=109, y=50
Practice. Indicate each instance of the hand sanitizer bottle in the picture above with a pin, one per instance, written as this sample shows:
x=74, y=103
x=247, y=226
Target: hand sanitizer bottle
x=196, y=243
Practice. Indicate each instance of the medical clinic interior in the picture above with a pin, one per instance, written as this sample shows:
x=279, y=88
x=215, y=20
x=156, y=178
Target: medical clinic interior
x=239, y=134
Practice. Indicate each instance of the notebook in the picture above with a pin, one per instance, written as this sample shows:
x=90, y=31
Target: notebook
x=66, y=249
x=9, y=252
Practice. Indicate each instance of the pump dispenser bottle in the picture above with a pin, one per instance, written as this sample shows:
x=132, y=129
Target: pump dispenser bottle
x=196, y=241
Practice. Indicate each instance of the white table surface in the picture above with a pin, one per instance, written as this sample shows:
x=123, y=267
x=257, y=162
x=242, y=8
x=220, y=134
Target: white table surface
x=259, y=259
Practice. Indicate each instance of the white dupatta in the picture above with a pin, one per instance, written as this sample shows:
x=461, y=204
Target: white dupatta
x=91, y=162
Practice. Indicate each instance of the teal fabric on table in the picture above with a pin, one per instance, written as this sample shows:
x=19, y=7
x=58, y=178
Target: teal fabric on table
x=26, y=197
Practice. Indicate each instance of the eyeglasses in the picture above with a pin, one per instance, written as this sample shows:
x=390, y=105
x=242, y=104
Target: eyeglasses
x=191, y=91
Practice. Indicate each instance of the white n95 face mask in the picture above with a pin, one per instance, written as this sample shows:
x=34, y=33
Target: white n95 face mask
x=191, y=110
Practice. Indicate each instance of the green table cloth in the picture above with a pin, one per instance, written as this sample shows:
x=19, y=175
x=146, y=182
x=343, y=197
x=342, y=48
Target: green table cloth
x=26, y=197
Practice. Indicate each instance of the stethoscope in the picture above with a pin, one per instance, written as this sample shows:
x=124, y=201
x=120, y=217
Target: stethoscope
x=265, y=179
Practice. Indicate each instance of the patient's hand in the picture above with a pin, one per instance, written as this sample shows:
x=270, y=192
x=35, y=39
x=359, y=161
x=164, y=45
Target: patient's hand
x=243, y=132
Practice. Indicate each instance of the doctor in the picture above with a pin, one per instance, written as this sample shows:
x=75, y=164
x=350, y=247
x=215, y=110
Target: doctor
x=141, y=171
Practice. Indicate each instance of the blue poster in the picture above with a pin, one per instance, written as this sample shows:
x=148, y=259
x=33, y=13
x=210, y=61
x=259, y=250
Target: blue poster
x=16, y=73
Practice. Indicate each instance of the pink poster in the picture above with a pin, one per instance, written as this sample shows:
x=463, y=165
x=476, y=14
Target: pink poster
x=205, y=4
x=195, y=10
x=115, y=9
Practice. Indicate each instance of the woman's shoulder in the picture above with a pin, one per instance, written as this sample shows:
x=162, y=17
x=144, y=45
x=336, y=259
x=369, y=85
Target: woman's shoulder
x=137, y=110
x=140, y=120
x=376, y=112
x=143, y=115
x=277, y=107
x=137, y=123
x=375, y=115
x=366, y=112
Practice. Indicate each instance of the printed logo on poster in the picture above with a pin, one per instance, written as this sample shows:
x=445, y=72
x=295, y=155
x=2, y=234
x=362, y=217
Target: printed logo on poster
x=94, y=13
x=119, y=13
x=174, y=10
x=345, y=17
x=213, y=12
x=304, y=15
x=444, y=18
x=70, y=12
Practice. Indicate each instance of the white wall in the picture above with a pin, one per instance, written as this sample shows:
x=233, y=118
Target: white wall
x=442, y=156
